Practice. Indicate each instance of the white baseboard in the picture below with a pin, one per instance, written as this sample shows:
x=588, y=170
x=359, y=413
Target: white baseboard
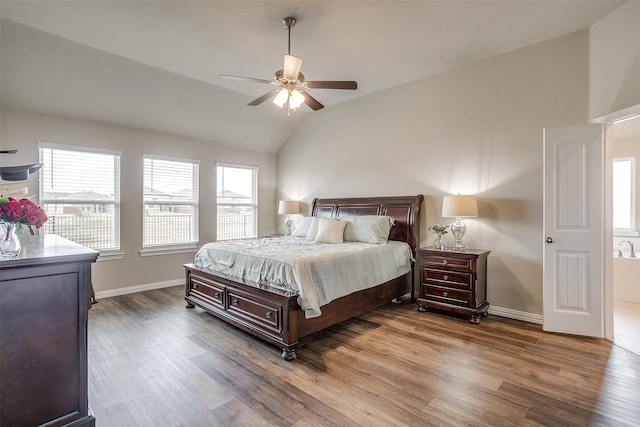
x=138, y=288
x=515, y=314
x=496, y=311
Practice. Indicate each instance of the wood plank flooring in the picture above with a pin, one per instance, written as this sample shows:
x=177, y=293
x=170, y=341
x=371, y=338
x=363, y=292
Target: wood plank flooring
x=154, y=363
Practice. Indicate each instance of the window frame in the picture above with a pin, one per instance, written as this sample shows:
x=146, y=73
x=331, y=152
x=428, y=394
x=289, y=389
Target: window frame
x=161, y=249
x=630, y=231
x=109, y=253
x=254, y=205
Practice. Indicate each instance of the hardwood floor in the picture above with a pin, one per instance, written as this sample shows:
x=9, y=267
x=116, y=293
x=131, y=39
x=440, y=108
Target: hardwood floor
x=626, y=324
x=154, y=363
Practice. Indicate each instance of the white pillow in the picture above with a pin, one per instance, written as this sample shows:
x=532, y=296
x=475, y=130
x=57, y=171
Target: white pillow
x=330, y=231
x=302, y=227
x=313, y=229
x=368, y=229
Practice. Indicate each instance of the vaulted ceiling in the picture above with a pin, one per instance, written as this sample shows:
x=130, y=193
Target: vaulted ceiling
x=153, y=65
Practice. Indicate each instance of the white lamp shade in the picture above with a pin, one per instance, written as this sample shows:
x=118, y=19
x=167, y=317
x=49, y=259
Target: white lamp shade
x=459, y=206
x=281, y=98
x=288, y=207
x=296, y=99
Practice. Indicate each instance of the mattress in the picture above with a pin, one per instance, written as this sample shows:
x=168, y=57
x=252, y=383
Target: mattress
x=318, y=272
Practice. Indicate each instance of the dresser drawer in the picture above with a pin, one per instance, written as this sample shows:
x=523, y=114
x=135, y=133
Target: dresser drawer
x=446, y=295
x=447, y=278
x=262, y=314
x=208, y=290
x=447, y=262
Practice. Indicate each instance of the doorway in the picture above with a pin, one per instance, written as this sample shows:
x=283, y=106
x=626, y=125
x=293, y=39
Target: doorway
x=626, y=241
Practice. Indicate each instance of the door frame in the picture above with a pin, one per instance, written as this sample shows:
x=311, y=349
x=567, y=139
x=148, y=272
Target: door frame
x=611, y=118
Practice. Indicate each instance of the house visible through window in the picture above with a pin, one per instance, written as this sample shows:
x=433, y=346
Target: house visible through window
x=170, y=202
x=623, y=194
x=237, y=201
x=80, y=191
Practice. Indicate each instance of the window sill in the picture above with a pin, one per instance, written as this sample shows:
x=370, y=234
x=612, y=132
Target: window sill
x=109, y=256
x=625, y=233
x=168, y=250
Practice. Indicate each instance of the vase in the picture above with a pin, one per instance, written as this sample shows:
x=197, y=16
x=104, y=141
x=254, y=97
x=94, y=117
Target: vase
x=10, y=246
x=437, y=243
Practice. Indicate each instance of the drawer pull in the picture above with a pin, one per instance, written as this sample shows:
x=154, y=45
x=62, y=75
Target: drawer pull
x=445, y=262
x=235, y=301
x=446, y=277
x=217, y=295
x=445, y=294
x=269, y=314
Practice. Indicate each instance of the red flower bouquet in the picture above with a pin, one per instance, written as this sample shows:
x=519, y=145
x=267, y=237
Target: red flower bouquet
x=22, y=211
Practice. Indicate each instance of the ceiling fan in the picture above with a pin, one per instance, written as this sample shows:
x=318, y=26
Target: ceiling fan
x=291, y=83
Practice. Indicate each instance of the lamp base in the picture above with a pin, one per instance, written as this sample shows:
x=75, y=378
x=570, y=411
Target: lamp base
x=458, y=229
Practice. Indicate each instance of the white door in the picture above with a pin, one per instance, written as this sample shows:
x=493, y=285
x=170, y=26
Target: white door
x=575, y=234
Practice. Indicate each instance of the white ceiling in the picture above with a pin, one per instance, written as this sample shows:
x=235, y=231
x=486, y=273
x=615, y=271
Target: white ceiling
x=154, y=64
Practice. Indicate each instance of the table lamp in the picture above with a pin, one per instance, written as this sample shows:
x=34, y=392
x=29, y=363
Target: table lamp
x=459, y=207
x=288, y=207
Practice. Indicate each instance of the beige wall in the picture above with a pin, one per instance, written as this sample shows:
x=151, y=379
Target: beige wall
x=22, y=131
x=614, y=64
x=475, y=130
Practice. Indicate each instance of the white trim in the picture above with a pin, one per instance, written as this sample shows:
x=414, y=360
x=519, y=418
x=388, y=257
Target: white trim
x=515, y=314
x=167, y=250
x=137, y=288
x=236, y=165
x=619, y=116
x=170, y=158
x=110, y=255
x=82, y=148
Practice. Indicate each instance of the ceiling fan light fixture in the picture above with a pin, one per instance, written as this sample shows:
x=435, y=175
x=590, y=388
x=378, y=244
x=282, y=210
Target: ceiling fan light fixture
x=295, y=99
x=281, y=98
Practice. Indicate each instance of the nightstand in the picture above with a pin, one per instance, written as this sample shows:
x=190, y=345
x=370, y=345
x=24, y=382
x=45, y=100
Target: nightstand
x=453, y=280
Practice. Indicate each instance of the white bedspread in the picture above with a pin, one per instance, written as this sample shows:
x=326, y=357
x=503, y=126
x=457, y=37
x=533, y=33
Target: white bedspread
x=318, y=272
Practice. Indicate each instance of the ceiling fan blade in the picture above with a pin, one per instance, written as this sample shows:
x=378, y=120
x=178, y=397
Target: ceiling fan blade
x=267, y=96
x=350, y=85
x=251, y=79
x=292, y=66
x=313, y=103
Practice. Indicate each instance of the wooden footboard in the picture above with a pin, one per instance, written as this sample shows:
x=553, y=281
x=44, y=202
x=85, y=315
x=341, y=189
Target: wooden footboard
x=273, y=314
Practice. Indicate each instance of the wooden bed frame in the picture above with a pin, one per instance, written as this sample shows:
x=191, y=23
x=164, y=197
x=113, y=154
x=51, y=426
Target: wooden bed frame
x=274, y=314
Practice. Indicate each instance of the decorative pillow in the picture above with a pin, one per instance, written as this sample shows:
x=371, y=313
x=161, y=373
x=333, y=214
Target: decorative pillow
x=368, y=229
x=302, y=227
x=313, y=229
x=330, y=231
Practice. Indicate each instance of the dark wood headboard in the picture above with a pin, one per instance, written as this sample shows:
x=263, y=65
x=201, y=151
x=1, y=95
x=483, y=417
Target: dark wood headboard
x=405, y=210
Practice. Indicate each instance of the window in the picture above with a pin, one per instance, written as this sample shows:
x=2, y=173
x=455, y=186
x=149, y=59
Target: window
x=623, y=194
x=80, y=191
x=237, y=201
x=170, y=202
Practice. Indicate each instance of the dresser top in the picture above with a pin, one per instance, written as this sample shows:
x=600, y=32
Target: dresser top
x=48, y=248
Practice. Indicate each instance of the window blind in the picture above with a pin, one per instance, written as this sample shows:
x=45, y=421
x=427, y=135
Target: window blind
x=171, y=189
x=80, y=192
x=237, y=201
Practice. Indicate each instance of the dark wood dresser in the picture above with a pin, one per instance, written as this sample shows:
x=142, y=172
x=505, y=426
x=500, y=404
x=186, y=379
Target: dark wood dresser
x=44, y=301
x=455, y=281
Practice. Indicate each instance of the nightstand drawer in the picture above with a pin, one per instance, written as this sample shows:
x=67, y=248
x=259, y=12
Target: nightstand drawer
x=447, y=295
x=447, y=278
x=447, y=262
